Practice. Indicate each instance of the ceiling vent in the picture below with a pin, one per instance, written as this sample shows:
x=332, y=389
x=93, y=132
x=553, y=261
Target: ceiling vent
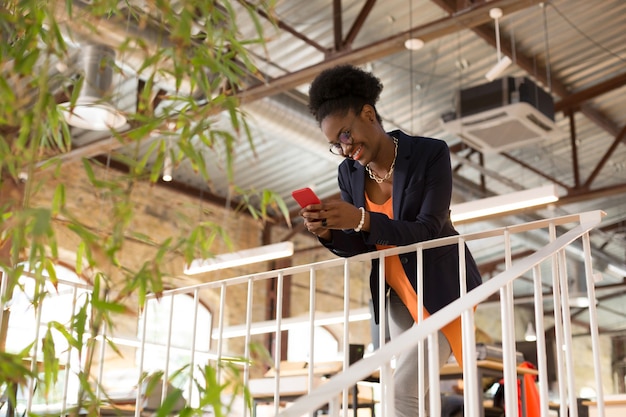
x=92, y=109
x=501, y=115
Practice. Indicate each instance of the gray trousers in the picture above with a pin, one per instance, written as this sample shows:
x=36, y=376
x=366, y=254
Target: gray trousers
x=405, y=375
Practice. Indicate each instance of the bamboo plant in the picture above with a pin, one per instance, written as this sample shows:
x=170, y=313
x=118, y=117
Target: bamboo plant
x=201, y=50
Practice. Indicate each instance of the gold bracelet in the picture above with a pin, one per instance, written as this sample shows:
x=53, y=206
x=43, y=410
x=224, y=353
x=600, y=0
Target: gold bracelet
x=360, y=226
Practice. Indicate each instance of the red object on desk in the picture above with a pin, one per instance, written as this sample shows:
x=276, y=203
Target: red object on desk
x=533, y=408
x=530, y=392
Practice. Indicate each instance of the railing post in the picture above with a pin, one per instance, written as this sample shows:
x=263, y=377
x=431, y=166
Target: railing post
x=220, y=344
x=142, y=355
x=542, y=364
x=346, y=330
x=421, y=394
x=278, y=340
x=593, y=324
x=66, y=380
x=468, y=335
x=567, y=335
x=508, y=337
x=246, y=369
x=386, y=373
x=433, y=375
x=166, y=371
x=312, y=303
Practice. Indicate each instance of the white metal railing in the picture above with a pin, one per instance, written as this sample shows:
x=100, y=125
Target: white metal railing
x=234, y=334
x=555, y=252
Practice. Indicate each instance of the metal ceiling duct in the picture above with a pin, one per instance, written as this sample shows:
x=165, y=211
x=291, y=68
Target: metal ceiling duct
x=93, y=109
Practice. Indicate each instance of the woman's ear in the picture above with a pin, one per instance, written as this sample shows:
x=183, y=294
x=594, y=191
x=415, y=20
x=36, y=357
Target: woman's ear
x=369, y=113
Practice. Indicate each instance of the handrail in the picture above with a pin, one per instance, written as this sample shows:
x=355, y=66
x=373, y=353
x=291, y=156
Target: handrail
x=333, y=263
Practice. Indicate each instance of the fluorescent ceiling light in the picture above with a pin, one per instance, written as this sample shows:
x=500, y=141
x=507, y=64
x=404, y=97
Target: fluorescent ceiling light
x=321, y=319
x=243, y=257
x=504, y=203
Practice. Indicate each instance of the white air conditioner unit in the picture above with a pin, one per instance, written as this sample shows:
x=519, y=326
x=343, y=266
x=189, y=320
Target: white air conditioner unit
x=502, y=115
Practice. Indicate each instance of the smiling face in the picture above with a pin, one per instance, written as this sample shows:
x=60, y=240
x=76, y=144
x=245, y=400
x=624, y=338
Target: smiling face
x=352, y=135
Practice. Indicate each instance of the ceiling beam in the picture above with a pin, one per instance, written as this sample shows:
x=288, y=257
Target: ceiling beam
x=575, y=190
x=574, y=100
x=358, y=24
x=337, y=25
x=465, y=19
x=287, y=28
x=535, y=170
x=620, y=138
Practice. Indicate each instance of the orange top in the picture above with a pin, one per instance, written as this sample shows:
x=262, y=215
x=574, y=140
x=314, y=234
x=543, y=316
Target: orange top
x=397, y=279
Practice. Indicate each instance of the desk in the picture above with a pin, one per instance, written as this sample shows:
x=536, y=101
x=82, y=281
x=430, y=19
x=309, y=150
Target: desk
x=294, y=383
x=486, y=368
x=614, y=406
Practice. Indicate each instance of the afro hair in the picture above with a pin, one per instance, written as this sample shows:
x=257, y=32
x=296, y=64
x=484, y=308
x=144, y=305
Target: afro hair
x=343, y=88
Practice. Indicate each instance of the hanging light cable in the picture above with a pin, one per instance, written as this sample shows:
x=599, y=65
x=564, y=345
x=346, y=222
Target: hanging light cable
x=547, y=46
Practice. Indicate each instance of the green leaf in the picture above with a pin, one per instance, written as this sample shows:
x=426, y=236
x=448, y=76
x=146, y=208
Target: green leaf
x=171, y=400
x=50, y=362
x=14, y=368
x=25, y=63
x=80, y=254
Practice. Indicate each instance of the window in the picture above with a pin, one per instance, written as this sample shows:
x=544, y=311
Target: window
x=182, y=309
x=58, y=305
x=325, y=345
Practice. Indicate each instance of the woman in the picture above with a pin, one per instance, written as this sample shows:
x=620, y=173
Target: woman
x=395, y=190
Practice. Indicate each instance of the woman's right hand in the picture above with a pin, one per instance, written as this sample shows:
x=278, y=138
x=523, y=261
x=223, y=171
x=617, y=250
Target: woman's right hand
x=315, y=222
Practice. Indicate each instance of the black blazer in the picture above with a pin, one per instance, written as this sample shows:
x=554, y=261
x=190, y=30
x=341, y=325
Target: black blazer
x=422, y=189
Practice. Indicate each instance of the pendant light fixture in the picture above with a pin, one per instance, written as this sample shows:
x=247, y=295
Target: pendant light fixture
x=168, y=162
x=167, y=168
x=503, y=62
x=92, y=109
x=577, y=286
x=530, y=335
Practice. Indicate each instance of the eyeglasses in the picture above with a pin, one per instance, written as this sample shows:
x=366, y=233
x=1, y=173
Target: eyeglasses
x=345, y=138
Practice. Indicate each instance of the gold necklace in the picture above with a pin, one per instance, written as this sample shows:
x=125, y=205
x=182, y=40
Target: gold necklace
x=380, y=180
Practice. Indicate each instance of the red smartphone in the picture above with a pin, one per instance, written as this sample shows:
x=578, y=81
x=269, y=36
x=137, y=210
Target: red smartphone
x=305, y=196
